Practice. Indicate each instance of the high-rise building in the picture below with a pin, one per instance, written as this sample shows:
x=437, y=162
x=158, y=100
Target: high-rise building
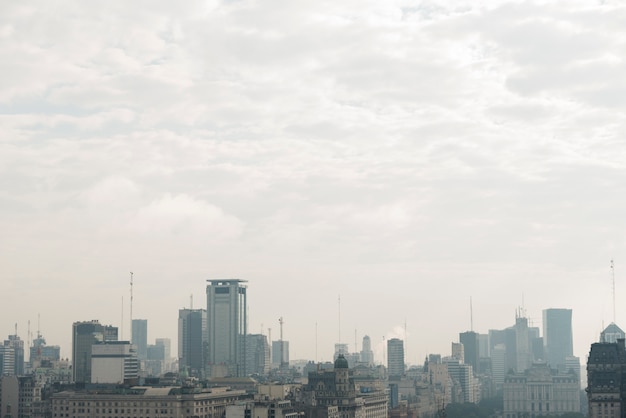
x=114, y=362
x=40, y=351
x=227, y=325
x=257, y=354
x=523, y=352
x=395, y=358
x=166, y=344
x=192, y=337
x=14, y=347
x=606, y=377
x=140, y=337
x=84, y=335
x=367, y=355
x=458, y=352
x=557, y=336
x=280, y=354
x=469, y=340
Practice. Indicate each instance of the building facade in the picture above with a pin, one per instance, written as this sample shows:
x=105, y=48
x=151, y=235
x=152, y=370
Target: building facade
x=257, y=354
x=469, y=339
x=606, y=380
x=145, y=402
x=540, y=391
x=227, y=326
x=114, y=362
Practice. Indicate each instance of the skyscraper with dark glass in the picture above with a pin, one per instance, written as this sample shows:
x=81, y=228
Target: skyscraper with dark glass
x=192, y=337
x=139, y=334
x=84, y=335
x=557, y=336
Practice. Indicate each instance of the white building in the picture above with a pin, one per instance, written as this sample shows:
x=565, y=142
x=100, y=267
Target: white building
x=113, y=362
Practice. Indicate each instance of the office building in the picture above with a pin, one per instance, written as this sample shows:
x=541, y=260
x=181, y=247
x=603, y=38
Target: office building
x=140, y=337
x=367, y=355
x=280, y=354
x=154, y=365
x=257, y=354
x=557, y=336
x=395, y=358
x=114, y=362
x=540, y=391
x=41, y=352
x=458, y=352
x=227, y=325
x=471, y=348
x=192, y=337
x=84, y=335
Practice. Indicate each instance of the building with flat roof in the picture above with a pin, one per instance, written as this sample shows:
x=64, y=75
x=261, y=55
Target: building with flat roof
x=114, y=362
x=84, y=335
x=145, y=402
x=395, y=358
x=227, y=325
x=557, y=336
x=139, y=337
x=192, y=340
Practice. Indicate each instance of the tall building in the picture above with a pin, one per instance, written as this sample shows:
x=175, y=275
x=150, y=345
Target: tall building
x=114, y=362
x=84, y=335
x=523, y=352
x=557, y=336
x=395, y=358
x=140, y=337
x=606, y=380
x=227, y=325
x=166, y=344
x=367, y=355
x=458, y=352
x=192, y=337
x=40, y=351
x=469, y=340
x=280, y=353
x=257, y=354
x=13, y=356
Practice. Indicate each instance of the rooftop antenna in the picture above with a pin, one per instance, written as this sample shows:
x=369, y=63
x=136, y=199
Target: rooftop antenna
x=356, y=350
x=122, y=317
x=191, y=301
x=339, y=301
x=282, y=345
x=316, y=342
x=471, y=316
x=38, y=325
x=29, y=335
x=131, y=305
x=613, y=277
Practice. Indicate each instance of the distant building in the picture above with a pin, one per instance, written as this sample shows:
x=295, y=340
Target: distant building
x=498, y=361
x=140, y=337
x=367, y=355
x=257, y=354
x=540, y=391
x=227, y=326
x=458, y=352
x=146, y=402
x=395, y=358
x=84, y=335
x=557, y=336
x=471, y=348
x=114, y=362
x=341, y=349
x=280, y=353
x=192, y=337
x=22, y=397
x=154, y=365
x=333, y=394
x=41, y=352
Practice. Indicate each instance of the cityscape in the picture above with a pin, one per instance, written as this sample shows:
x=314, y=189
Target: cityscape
x=520, y=371
x=312, y=209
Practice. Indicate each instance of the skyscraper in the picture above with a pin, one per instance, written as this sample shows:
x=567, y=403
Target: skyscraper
x=192, y=337
x=140, y=337
x=367, y=355
x=557, y=332
x=395, y=358
x=469, y=340
x=84, y=335
x=280, y=354
x=258, y=354
x=227, y=325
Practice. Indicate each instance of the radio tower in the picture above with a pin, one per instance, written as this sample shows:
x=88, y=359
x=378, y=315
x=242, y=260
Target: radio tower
x=613, y=279
x=131, y=306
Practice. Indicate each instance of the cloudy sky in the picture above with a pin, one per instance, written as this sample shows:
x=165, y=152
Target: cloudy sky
x=404, y=155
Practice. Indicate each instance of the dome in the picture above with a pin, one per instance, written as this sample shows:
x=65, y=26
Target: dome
x=341, y=362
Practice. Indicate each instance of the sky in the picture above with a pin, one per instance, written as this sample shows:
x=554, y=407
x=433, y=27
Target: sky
x=368, y=166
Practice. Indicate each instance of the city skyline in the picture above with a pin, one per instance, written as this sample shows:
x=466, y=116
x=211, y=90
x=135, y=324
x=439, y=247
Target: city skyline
x=407, y=156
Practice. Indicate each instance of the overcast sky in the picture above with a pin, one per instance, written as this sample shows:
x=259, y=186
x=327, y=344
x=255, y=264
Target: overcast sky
x=406, y=155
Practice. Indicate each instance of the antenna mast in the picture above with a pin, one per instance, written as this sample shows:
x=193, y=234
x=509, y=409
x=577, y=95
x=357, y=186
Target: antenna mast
x=471, y=316
x=613, y=277
x=339, y=303
x=131, y=306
